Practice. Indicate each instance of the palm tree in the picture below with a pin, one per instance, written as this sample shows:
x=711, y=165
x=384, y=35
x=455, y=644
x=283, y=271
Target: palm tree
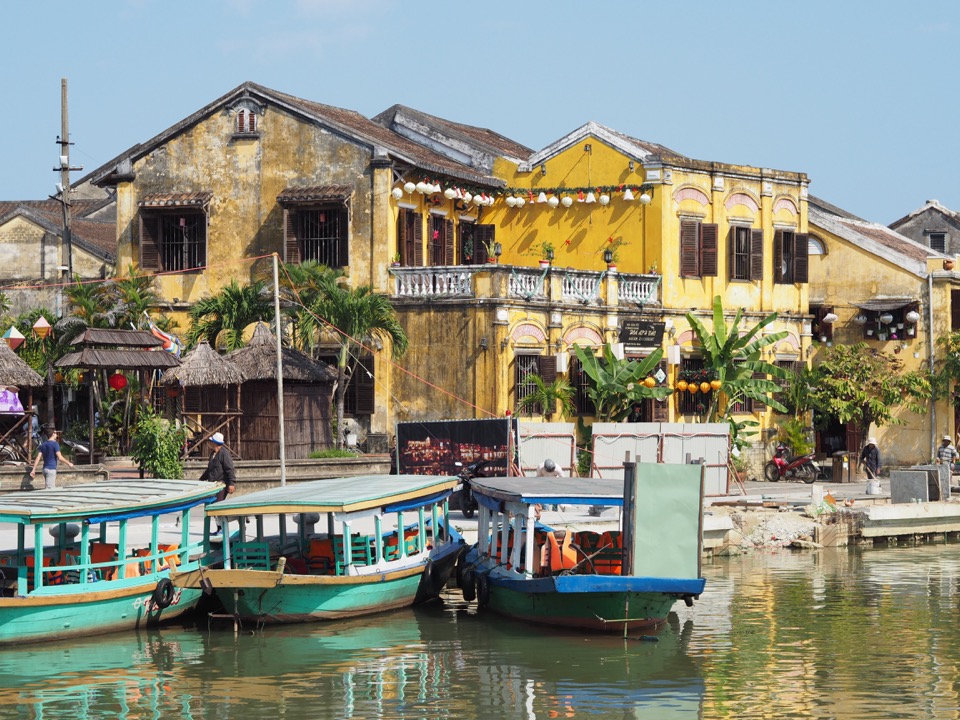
x=735, y=359
x=546, y=396
x=221, y=318
x=356, y=317
x=302, y=285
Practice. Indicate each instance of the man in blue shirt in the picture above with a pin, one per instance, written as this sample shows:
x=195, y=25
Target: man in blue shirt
x=49, y=452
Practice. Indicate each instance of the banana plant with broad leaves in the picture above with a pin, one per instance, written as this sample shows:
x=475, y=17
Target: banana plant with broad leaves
x=616, y=385
x=736, y=358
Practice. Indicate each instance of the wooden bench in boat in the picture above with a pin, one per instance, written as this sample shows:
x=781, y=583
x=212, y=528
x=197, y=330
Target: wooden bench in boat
x=251, y=555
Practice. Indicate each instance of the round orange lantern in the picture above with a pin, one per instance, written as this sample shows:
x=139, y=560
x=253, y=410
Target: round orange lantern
x=118, y=381
x=682, y=385
x=58, y=377
x=693, y=387
x=716, y=384
x=649, y=382
x=705, y=386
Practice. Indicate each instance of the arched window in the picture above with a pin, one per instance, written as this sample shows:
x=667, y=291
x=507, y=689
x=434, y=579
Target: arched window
x=816, y=246
x=246, y=122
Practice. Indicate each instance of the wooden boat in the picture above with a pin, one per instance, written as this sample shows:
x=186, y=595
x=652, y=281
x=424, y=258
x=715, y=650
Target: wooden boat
x=621, y=580
x=387, y=544
x=89, y=558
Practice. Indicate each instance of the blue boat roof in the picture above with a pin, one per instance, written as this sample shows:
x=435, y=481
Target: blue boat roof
x=344, y=494
x=572, y=490
x=100, y=500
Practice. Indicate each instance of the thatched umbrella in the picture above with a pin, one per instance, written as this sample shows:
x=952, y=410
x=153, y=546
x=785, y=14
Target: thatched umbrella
x=15, y=373
x=203, y=366
x=258, y=360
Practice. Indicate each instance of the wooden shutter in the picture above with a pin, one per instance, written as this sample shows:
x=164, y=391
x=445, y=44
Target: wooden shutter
x=954, y=310
x=732, y=253
x=547, y=368
x=448, y=242
x=291, y=244
x=343, y=242
x=364, y=387
x=402, y=236
x=689, y=248
x=483, y=236
x=756, y=254
x=709, y=240
x=778, y=274
x=801, y=258
x=418, y=240
x=149, y=242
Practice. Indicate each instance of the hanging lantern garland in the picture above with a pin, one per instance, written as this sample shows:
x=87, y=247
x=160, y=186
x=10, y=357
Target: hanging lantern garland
x=518, y=197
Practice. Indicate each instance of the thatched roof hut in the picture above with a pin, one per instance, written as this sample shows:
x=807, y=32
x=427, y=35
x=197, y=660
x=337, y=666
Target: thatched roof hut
x=307, y=394
x=258, y=360
x=14, y=371
x=203, y=366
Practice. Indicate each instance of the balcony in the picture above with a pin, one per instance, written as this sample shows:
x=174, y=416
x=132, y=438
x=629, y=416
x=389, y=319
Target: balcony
x=546, y=285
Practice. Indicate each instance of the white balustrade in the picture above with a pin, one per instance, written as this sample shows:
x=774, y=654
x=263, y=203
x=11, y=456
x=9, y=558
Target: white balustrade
x=582, y=287
x=639, y=289
x=428, y=282
x=527, y=283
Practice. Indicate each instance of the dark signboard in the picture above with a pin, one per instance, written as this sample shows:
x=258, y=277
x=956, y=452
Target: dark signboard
x=641, y=332
x=435, y=448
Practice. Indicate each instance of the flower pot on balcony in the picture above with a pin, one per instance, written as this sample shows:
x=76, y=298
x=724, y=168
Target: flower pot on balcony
x=544, y=264
x=948, y=264
x=611, y=267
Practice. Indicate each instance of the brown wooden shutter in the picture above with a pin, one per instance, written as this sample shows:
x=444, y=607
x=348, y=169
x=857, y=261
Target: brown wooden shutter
x=732, y=253
x=484, y=235
x=801, y=258
x=448, y=258
x=955, y=310
x=709, y=241
x=150, y=242
x=364, y=387
x=547, y=368
x=756, y=254
x=402, y=236
x=418, y=240
x=291, y=244
x=343, y=243
x=778, y=238
x=689, y=248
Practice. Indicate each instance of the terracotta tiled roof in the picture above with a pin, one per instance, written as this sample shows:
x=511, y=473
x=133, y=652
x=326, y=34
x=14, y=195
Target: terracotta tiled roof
x=321, y=193
x=188, y=199
x=78, y=208
x=97, y=236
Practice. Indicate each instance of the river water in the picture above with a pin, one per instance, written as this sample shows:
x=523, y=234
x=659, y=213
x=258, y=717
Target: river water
x=828, y=634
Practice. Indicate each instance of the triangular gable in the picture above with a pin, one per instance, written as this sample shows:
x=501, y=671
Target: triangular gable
x=633, y=148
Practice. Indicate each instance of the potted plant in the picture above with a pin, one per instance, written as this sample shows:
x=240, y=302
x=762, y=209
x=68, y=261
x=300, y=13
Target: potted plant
x=493, y=249
x=611, y=255
x=396, y=260
x=546, y=253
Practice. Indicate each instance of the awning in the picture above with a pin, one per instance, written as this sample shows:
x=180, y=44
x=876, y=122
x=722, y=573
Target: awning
x=881, y=304
x=175, y=200
x=322, y=193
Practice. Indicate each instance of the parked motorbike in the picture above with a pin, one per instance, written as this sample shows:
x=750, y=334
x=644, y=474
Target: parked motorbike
x=803, y=467
x=464, y=498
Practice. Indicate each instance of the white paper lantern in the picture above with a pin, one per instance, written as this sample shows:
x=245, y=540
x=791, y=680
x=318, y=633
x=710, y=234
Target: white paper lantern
x=467, y=197
x=542, y=197
x=521, y=202
x=912, y=317
x=645, y=199
x=886, y=318
x=628, y=195
x=590, y=198
x=397, y=193
x=511, y=201
x=409, y=187
x=831, y=318
x=566, y=201
x=422, y=187
x=604, y=199
x=449, y=193
x=860, y=319
x=553, y=201
x=478, y=200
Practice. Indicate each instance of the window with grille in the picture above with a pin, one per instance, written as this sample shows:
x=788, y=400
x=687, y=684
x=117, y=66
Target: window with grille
x=173, y=241
x=689, y=403
x=581, y=382
x=698, y=249
x=523, y=367
x=938, y=242
x=746, y=253
x=322, y=235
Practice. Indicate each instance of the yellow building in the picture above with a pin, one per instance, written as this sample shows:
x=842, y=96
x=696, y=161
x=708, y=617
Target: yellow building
x=870, y=284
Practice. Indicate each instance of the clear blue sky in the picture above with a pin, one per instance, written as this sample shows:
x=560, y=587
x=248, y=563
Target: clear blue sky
x=862, y=96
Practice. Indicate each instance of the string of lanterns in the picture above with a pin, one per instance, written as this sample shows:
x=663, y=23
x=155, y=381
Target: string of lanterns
x=518, y=197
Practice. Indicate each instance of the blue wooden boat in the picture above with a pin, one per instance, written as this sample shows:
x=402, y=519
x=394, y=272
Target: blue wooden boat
x=86, y=559
x=599, y=580
x=384, y=542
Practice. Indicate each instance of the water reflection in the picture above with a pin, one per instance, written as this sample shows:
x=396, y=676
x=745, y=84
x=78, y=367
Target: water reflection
x=833, y=634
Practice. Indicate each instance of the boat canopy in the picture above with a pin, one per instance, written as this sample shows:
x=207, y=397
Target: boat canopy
x=340, y=495
x=102, y=501
x=550, y=490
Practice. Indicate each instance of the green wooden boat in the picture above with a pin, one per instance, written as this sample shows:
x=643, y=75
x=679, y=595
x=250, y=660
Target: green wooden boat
x=385, y=543
x=86, y=559
x=603, y=580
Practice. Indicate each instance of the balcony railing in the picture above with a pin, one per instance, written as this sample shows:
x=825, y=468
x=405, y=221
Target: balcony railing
x=557, y=285
x=432, y=282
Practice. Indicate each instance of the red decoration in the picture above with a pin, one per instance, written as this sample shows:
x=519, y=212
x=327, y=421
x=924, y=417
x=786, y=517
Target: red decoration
x=173, y=390
x=118, y=381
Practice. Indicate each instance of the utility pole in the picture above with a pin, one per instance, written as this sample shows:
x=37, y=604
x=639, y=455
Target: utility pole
x=63, y=187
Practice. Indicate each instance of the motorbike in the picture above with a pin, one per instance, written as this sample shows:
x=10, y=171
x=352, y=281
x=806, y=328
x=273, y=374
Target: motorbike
x=463, y=498
x=803, y=467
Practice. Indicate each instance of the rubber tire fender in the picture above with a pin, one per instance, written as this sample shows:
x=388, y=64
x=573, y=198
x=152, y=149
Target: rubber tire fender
x=483, y=590
x=468, y=586
x=163, y=593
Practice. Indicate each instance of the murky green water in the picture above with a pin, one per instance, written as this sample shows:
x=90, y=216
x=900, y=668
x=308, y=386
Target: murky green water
x=834, y=634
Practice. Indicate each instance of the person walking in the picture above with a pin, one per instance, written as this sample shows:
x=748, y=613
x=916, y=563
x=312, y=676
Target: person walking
x=947, y=454
x=49, y=452
x=870, y=458
x=220, y=468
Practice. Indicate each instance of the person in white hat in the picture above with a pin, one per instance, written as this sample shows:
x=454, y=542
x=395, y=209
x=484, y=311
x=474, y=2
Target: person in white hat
x=220, y=468
x=870, y=458
x=947, y=454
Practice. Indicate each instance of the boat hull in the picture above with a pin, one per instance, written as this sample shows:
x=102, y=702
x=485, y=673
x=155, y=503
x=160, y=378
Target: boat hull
x=40, y=618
